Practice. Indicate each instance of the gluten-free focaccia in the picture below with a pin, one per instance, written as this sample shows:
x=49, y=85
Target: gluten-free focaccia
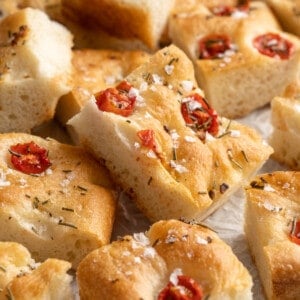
x=163, y=143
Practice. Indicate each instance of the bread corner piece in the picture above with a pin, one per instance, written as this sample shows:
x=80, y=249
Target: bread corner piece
x=184, y=176
x=22, y=278
x=64, y=212
x=144, y=20
x=35, y=69
x=272, y=210
x=241, y=79
x=94, y=70
x=285, y=138
x=140, y=266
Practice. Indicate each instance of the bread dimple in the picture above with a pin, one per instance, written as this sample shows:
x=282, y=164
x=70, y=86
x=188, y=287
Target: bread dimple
x=272, y=205
x=66, y=212
x=169, y=245
x=189, y=178
x=35, y=69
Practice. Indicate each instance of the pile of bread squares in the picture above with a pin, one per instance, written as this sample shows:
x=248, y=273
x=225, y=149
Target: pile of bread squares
x=104, y=97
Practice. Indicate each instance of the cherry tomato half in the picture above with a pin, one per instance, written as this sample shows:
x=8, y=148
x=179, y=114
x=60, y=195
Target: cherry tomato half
x=29, y=158
x=213, y=46
x=116, y=100
x=147, y=137
x=227, y=10
x=186, y=289
x=199, y=115
x=273, y=45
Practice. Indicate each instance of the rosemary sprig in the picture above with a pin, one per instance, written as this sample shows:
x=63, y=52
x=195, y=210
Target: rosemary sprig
x=67, y=224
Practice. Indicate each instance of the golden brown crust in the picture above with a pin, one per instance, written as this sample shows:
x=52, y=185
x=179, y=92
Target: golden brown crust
x=74, y=191
x=143, y=268
x=222, y=162
x=221, y=78
x=144, y=20
x=22, y=278
x=94, y=70
x=272, y=204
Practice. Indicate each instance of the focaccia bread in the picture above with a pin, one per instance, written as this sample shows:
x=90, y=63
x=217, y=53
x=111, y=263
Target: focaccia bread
x=285, y=138
x=21, y=278
x=288, y=13
x=236, y=65
x=272, y=227
x=95, y=70
x=164, y=145
x=144, y=19
x=35, y=67
x=55, y=199
x=147, y=266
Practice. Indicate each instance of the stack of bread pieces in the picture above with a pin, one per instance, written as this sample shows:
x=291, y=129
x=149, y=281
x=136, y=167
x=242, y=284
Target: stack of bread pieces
x=103, y=98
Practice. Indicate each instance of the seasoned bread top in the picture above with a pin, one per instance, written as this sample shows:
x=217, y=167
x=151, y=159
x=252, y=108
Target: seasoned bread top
x=140, y=266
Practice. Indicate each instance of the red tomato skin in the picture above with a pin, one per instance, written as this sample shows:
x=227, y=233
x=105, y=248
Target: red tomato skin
x=29, y=158
x=273, y=45
x=295, y=235
x=116, y=100
x=147, y=138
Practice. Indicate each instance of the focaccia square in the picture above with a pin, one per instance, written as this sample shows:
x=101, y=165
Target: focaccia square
x=164, y=145
x=95, y=70
x=240, y=55
x=171, y=257
x=21, y=278
x=55, y=199
x=272, y=227
x=35, y=69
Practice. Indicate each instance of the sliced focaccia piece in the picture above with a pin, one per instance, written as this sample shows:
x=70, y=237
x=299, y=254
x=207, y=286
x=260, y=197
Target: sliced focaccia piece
x=35, y=67
x=272, y=226
x=21, y=278
x=285, y=138
x=240, y=55
x=95, y=70
x=170, y=258
x=55, y=199
x=145, y=20
x=166, y=147
x=288, y=13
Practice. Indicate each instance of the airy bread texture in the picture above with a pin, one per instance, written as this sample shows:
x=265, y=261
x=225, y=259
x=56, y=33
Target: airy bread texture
x=285, y=139
x=94, y=70
x=21, y=278
x=65, y=212
x=188, y=178
x=144, y=19
x=35, y=67
x=243, y=79
x=140, y=266
x=272, y=205
x=288, y=13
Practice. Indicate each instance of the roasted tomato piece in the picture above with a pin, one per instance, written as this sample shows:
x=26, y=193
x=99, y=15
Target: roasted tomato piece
x=147, y=137
x=213, y=46
x=29, y=158
x=273, y=45
x=116, y=100
x=227, y=10
x=199, y=115
x=295, y=232
x=186, y=289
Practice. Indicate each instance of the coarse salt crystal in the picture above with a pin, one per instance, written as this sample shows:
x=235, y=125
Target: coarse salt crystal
x=178, y=167
x=49, y=171
x=201, y=241
x=271, y=207
x=141, y=238
x=149, y=252
x=209, y=137
x=189, y=139
x=137, y=145
x=268, y=188
x=238, y=14
x=235, y=133
x=143, y=86
x=169, y=69
x=110, y=80
x=174, y=276
x=151, y=154
x=187, y=85
x=157, y=79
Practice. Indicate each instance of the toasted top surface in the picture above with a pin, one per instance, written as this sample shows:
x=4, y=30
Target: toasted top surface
x=142, y=265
